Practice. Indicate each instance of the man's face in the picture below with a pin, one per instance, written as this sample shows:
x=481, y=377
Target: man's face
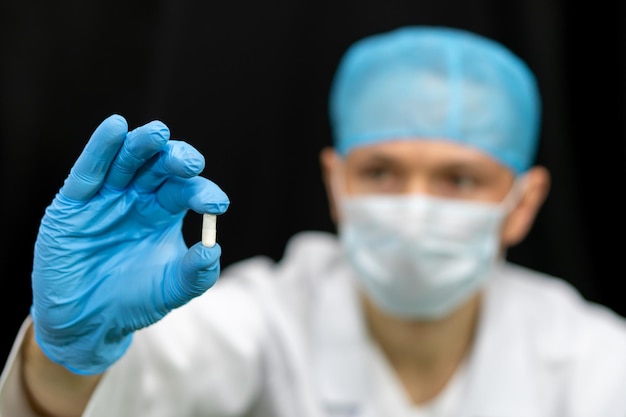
x=438, y=168
x=435, y=167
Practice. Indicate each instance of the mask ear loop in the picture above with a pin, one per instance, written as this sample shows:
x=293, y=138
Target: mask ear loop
x=514, y=196
x=509, y=203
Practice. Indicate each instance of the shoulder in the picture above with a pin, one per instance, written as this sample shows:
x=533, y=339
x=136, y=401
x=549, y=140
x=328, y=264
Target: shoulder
x=537, y=332
x=555, y=312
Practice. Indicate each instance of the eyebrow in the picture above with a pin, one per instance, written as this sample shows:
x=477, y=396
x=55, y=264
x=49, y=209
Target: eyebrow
x=455, y=162
x=464, y=165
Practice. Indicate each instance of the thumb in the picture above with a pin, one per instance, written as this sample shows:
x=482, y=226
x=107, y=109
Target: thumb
x=200, y=268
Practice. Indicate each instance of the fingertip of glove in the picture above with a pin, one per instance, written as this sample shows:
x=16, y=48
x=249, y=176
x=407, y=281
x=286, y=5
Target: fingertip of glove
x=193, y=160
x=159, y=132
x=205, y=258
x=206, y=253
x=111, y=130
x=222, y=206
x=159, y=128
x=215, y=200
x=117, y=122
x=154, y=134
x=205, y=263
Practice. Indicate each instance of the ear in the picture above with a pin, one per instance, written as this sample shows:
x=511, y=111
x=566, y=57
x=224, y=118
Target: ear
x=329, y=160
x=519, y=222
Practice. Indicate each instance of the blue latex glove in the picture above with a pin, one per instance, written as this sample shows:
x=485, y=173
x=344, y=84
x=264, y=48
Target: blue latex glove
x=110, y=256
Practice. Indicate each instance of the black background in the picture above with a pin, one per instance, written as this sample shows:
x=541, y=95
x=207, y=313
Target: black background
x=246, y=83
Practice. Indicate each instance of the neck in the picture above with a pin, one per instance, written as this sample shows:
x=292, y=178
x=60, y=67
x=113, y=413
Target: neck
x=424, y=354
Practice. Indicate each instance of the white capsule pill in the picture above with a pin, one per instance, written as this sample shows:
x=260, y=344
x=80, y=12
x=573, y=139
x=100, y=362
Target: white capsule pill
x=209, y=229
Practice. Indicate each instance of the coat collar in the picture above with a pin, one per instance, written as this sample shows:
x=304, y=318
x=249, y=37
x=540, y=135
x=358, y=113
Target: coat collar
x=500, y=368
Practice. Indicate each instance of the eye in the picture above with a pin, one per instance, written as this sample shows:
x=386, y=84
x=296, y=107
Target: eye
x=378, y=178
x=463, y=181
x=458, y=184
x=375, y=173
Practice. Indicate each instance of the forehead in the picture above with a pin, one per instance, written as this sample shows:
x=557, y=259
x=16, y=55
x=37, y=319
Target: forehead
x=425, y=154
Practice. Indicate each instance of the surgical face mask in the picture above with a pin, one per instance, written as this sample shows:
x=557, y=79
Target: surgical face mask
x=421, y=257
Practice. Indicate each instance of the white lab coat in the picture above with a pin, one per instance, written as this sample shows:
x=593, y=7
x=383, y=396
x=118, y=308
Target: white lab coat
x=287, y=340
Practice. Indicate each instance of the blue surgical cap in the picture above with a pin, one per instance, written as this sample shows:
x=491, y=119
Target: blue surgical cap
x=436, y=83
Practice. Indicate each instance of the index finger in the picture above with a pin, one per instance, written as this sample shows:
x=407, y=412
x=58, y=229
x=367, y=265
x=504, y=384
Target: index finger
x=88, y=173
x=140, y=145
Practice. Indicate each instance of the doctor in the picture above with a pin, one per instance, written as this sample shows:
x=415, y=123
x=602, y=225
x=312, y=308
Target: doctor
x=410, y=309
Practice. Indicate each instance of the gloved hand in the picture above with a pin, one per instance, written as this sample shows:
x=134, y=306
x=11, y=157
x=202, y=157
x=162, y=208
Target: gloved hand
x=110, y=256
